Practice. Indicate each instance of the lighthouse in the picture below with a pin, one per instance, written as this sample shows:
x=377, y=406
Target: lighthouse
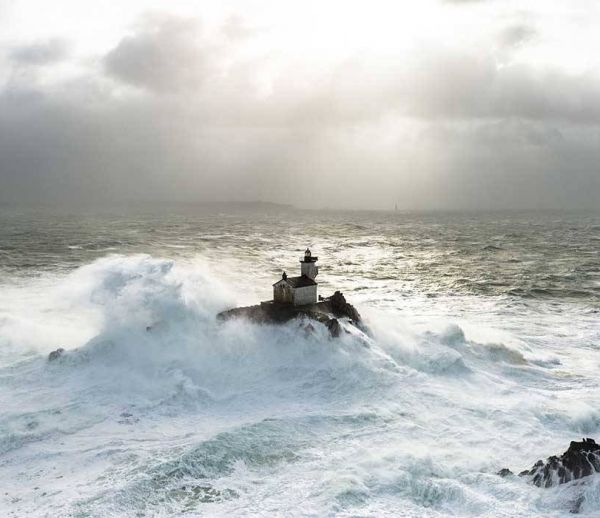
x=308, y=265
x=300, y=290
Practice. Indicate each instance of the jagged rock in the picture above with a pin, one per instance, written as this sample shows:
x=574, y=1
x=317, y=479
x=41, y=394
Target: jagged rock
x=322, y=311
x=55, y=355
x=505, y=472
x=334, y=327
x=580, y=460
x=341, y=308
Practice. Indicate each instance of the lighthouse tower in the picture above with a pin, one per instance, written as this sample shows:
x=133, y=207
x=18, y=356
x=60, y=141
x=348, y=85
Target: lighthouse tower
x=308, y=265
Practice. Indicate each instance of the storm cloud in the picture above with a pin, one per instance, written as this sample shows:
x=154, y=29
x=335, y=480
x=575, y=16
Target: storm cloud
x=40, y=53
x=177, y=109
x=162, y=56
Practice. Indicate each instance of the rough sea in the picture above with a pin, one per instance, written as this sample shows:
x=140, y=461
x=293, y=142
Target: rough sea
x=484, y=354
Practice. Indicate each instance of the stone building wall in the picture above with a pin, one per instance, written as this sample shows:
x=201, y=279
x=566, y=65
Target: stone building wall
x=305, y=295
x=282, y=292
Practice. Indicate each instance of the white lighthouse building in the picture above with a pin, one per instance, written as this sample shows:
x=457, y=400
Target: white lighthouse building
x=298, y=290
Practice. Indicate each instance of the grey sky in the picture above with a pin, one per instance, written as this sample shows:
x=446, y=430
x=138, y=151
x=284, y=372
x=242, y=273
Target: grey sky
x=483, y=104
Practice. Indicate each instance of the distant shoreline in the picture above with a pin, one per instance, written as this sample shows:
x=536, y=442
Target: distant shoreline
x=267, y=206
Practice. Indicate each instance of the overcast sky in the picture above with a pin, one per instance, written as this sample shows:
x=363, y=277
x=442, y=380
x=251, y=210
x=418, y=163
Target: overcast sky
x=430, y=104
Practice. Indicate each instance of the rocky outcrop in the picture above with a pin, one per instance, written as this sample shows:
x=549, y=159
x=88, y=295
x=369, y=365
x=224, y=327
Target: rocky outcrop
x=340, y=308
x=55, y=355
x=335, y=329
x=579, y=461
x=327, y=311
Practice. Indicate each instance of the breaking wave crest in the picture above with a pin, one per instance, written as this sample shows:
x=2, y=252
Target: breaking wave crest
x=151, y=316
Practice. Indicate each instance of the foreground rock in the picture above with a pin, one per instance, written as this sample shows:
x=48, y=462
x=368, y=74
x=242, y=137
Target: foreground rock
x=326, y=312
x=505, y=472
x=341, y=308
x=579, y=461
x=55, y=355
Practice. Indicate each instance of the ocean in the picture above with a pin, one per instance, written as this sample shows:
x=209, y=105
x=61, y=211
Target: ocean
x=484, y=353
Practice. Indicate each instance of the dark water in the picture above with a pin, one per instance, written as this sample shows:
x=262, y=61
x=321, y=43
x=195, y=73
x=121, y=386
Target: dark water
x=530, y=255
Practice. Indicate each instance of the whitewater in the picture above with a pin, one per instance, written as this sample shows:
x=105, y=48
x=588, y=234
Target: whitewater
x=484, y=353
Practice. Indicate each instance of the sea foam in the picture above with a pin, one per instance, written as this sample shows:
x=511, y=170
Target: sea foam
x=157, y=408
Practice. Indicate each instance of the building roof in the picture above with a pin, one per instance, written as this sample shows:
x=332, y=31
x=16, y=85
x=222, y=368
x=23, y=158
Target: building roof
x=299, y=282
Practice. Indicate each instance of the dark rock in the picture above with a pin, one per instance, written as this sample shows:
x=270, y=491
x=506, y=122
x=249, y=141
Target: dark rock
x=55, y=355
x=334, y=327
x=341, y=308
x=580, y=460
x=326, y=311
x=505, y=472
